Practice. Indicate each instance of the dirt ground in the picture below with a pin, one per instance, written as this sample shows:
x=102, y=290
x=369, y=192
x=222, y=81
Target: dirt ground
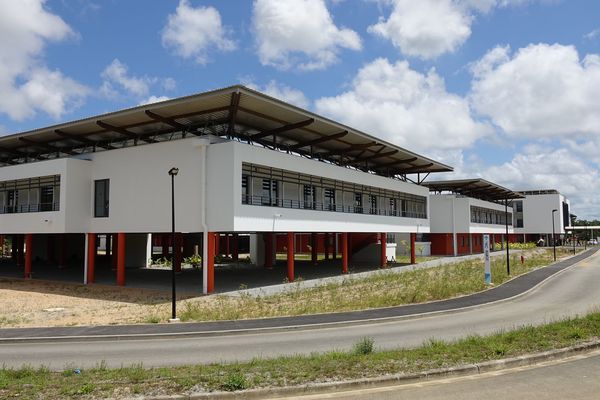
x=41, y=303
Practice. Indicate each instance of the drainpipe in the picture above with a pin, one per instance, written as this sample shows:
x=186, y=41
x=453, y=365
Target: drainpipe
x=454, y=244
x=203, y=143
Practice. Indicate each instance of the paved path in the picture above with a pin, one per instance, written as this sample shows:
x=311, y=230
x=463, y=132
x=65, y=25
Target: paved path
x=510, y=289
x=573, y=291
x=573, y=378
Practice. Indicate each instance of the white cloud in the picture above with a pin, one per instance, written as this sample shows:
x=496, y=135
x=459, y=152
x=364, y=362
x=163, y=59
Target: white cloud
x=192, y=31
x=425, y=28
x=406, y=107
x=540, y=91
x=592, y=34
x=117, y=73
x=299, y=33
x=26, y=83
x=542, y=167
x=430, y=28
x=153, y=99
x=282, y=92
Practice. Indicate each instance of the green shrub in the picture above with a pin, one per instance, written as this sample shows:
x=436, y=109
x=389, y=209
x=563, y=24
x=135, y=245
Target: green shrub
x=234, y=381
x=364, y=346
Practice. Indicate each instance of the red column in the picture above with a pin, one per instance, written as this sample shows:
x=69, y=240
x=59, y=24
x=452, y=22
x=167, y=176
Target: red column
x=28, y=254
x=91, y=258
x=235, y=244
x=344, y=252
x=268, y=237
x=334, y=246
x=210, y=262
x=383, y=255
x=290, y=256
x=2, y=244
x=177, y=252
x=326, y=243
x=313, y=248
x=413, y=239
x=115, y=250
x=217, y=243
x=121, y=259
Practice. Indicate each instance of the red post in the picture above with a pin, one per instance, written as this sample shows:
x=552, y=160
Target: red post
x=2, y=244
x=115, y=250
x=91, y=257
x=383, y=255
x=313, y=248
x=344, y=252
x=235, y=244
x=326, y=241
x=210, y=263
x=290, y=256
x=121, y=259
x=177, y=252
x=268, y=237
x=28, y=254
x=413, y=239
x=217, y=243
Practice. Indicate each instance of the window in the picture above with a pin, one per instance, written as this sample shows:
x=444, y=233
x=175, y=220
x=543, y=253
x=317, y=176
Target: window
x=245, y=194
x=310, y=197
x=270, y=192
x=47, y=198
x=358, y=207
x=372, y=204
x=393, y=207
x=519, y=222
x=12, y=197
x=329, y=194
x=101, y=198
x=518, y=206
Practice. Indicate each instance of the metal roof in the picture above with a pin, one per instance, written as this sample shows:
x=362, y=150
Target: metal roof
x=235, y=112
x=538, y=192
x=477, y=188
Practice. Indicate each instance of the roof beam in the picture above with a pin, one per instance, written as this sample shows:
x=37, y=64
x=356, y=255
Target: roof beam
x=233, y=109
x=123, y=132
x=318, y=140
x=83, y=140
x=47, y=146
x=420, y=168
x=357, y=146
x=166, y=120
x=397, y=162
x=373, y=157
x=283, y=128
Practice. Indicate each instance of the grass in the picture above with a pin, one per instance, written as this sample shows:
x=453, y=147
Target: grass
x=360, y=362
x=379, y=290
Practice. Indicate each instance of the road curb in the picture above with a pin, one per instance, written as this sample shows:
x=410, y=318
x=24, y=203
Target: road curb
x=387, y=380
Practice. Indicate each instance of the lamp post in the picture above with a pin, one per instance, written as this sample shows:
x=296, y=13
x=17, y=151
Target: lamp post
x=553, y=234
x=173, y=172
x=507, y=240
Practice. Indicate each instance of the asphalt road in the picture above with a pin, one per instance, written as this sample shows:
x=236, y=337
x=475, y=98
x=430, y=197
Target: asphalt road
x=574, y=378
x=571, y=292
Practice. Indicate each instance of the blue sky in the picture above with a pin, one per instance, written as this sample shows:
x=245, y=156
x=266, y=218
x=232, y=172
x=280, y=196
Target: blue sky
x=502, y=89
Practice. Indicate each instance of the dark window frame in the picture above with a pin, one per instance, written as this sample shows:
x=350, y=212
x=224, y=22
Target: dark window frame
x=102, y=211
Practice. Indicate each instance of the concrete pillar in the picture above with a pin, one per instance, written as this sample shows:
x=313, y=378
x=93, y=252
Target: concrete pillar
x=268, y=250
x=91, y=258
x=235, y=253
x=344, y=252
x=313, y=248
x=210, y=262
x=413, y=239
x=177, y=252
x=121, y=259
x=149, y=247
x=28, y=254
x=290, y=256
x=383, y=249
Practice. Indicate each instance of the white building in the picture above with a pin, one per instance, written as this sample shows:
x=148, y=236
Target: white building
x=462, y=211
x=247, y=163
x=540, y=213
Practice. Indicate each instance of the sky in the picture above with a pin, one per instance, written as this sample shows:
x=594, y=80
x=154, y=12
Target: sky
x=506, y=90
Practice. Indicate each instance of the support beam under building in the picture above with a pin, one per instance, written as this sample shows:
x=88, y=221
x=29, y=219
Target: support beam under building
x=290, y=256
x=313, y=248
x=210, y=263
x=121, y=259
x=91, y=258
x=413, y=240
x=344, y=252
x=383, y=255
x=28, y=254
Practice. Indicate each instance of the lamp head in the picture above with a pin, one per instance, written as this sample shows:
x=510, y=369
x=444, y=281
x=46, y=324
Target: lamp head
x=173, y=171
x=555, y=210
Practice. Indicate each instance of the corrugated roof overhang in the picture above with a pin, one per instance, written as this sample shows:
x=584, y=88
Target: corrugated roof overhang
x=234, y=112
x=476, y=188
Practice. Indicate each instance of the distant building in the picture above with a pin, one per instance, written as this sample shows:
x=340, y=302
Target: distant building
x=533, y=215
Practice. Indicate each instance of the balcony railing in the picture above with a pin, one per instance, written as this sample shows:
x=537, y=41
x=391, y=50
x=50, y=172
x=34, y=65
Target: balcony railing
x=29, y=208
x=318, y=206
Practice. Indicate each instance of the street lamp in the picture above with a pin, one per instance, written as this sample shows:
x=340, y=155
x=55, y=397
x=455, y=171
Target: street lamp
x=553, y=234
x=173, y=172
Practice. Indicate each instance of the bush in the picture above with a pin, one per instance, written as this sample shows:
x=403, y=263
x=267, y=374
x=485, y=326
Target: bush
x=364, y=346
x=234, y=381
